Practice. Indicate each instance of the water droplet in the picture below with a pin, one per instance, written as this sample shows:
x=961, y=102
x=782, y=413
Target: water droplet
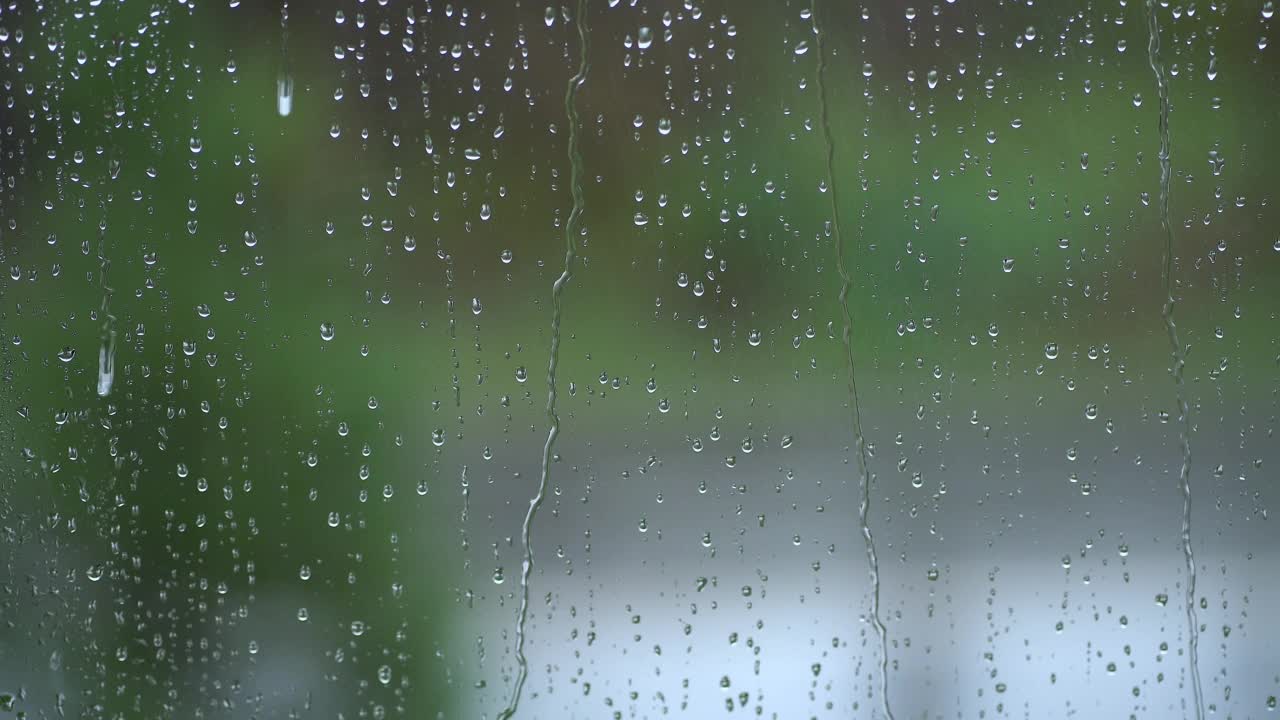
x=284, y=95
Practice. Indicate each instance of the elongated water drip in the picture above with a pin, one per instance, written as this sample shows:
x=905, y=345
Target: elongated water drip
x=864, y=475
x=1178, y=351
x=557, y=290
x=107, y=348
x=284, y=80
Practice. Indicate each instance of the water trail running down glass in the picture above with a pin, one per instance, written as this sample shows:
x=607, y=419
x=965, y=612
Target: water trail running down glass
x=107, y=349
x=864, y=475
x=557, y=290
x=284, y=80
x=1179, y=353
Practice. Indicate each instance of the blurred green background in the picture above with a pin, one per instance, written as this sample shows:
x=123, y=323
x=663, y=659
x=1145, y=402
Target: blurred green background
x=302, y=495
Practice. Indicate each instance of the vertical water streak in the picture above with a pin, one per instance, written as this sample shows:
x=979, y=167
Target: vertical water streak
x=1179, y=353
x=557, y=290
x=864, y=475
x=284, y=80
x=107, y=348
